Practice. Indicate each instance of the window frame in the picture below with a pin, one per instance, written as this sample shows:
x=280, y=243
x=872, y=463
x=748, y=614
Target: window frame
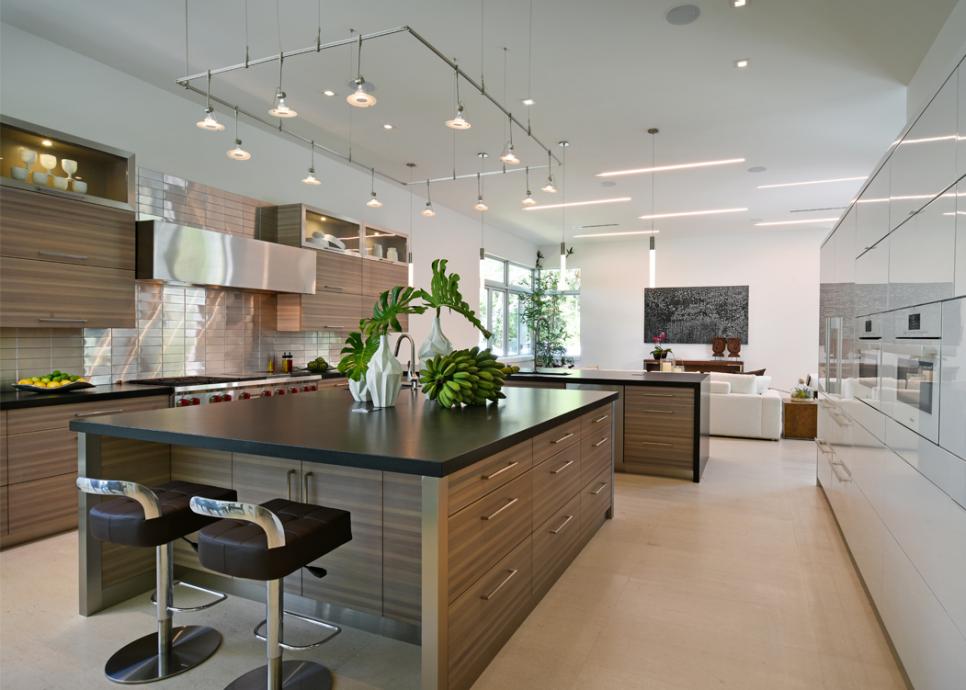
x=508, y=290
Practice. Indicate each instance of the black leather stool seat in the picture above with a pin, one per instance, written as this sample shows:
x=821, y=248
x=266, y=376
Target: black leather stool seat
x=121, y=520
x=239, y=548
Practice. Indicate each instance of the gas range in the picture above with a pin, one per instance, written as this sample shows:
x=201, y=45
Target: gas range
x=202, y=390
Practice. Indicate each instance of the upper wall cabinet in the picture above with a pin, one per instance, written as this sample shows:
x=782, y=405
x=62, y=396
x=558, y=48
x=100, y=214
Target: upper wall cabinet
x=872, y=280
x=845, y=248
x=386, y=245
x=961, y=150
x=873, y=209
x=924, y=162
x=960, y=289
x=299, y=225
x=921, y=255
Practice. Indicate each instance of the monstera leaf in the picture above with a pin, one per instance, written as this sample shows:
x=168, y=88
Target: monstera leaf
x=445, y=292
x=357, y=352
x=389, y=307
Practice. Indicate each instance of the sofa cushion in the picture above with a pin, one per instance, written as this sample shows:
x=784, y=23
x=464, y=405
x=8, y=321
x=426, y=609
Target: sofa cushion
x=739, y=382
x=763, y=383
x=720, y=387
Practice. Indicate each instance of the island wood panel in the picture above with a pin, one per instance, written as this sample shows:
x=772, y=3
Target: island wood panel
x=555, y=544
x=489, y=474
x=555, y=480
x=3, y=448
x=201, y=466
x=337, y=272
x=49, y=228
x=484, y=617
x=401, y=549
x=659, y=431
x=4, y=521
x=354, y=570
x=50, y=295
x=485, y=531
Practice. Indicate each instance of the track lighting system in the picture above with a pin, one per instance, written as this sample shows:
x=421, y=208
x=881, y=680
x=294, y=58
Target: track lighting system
x=373, y=199
x=360, y=98
x=528, y=200
x=311, y=179
x=209, y=122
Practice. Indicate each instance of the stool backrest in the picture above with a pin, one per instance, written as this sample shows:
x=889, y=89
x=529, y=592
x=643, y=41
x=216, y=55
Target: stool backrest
x=247, y=512
x=116, y=487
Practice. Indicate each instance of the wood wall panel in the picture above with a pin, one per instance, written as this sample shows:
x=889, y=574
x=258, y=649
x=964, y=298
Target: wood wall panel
x=401, y=555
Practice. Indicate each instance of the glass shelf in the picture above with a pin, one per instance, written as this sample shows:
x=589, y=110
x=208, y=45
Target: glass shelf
x=386, y=245
x=322, y=231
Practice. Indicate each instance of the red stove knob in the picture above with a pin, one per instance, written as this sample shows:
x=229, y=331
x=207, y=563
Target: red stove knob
x=280, y=391
x=245, y=396
x=195, y=401
x=226, y=397
x=293, y=389
x=214, y=399
x=306, y=388
x=266, y=394
x=183, y=402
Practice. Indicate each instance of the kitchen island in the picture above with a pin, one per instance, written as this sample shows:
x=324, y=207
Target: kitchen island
x=462, y=519
x=662, y=424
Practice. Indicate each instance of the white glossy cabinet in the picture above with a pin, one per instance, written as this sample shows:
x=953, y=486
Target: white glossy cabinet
x=960, y=280
x=922, y=255
x=872, y=280
x=961, y=151
x=952, y=388
x=872, y=209
x=924, y=162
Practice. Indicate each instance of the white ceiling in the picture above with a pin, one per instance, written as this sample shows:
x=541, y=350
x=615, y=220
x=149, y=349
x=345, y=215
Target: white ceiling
x=823, y=98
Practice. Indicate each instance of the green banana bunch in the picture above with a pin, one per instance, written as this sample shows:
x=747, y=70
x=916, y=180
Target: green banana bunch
x=465, y=377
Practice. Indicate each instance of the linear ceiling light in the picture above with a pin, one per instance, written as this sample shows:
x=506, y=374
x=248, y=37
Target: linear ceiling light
x=796, y=222
x=570, y=204
x=681, y=214
x=620, y=234
x=664, y=168
x=811, y=182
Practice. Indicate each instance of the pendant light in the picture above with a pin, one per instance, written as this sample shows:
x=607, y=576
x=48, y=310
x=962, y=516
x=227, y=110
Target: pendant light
x=550, y=188
x=429, y=211
x=311, y=179
x=280, y=108
x=238, y=153
x=410, y=267
x=360, y=98
x=479, y=205
x=652, y=250
x=209, y=122
x=374, y=200
x=562, y=277
x=509, y=157
x=528, y=200
x=458, y=122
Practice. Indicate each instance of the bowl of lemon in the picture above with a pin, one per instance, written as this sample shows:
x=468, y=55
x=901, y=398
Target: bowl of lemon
x=55, y=382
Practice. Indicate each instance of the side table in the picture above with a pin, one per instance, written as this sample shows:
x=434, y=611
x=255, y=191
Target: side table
x=799, y=419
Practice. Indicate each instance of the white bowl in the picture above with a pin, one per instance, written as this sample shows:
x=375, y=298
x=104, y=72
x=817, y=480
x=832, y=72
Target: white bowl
x=40, y=178
x=80, y=186
x=60, y=182
x=19, y=173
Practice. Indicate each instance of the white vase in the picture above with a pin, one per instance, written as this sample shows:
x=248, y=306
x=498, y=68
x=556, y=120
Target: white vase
x=359, y=391
x=384, y=375
x=435, y=344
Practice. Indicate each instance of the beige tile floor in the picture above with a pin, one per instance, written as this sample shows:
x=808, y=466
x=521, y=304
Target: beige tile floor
x=739, y=582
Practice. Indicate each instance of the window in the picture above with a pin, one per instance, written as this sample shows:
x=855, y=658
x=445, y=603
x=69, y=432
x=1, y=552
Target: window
x=569, y=304
x=505, y=286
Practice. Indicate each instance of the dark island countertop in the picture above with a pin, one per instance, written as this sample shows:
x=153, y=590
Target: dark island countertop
x=613, y=376
x=414, y=437
x=11, y=399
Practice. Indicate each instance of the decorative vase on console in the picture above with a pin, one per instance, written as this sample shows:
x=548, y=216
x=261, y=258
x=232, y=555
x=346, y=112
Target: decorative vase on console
x=717, y=347
x=384, y=375
x=436, y=343
x=360, y=393
x=734, y=347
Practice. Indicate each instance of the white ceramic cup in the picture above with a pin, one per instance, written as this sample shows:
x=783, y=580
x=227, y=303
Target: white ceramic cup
x=19, y=173
x=40, y=178
x=60, y=182
x=80, y=186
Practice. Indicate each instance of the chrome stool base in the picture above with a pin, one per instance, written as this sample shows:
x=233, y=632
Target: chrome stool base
x=138, y=662
x=296, y=675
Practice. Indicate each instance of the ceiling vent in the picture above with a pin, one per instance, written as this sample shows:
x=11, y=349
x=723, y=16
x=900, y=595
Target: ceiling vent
x=683, y=14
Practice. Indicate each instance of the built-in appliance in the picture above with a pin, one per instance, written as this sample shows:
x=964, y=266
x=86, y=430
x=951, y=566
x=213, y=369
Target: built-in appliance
x=952, y=391
x=868, y=331
x=203, y=390
x=910, y=373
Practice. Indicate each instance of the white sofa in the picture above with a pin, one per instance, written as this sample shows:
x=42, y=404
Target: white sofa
x=743, y=405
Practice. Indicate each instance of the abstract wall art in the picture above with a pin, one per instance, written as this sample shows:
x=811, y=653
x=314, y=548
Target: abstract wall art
x=696, y=314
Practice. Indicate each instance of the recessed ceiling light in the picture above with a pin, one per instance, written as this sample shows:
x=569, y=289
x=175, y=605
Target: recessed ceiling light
x=570, y=204
x=679, y=214
x=621, y=234
x=757, y=169
x=682, y=14
x=328, y=92
x=528, y=101
x=796, y=222
x=739, y=3
x=47, y=142
x=742, y=63
x=663, y=168
x=387, y=126
x=810, y=182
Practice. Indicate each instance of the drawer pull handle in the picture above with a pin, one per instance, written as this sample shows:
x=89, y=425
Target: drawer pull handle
x=600, y=419
x=563, y=438
x=63, y=255
x=510, y=575
x=500, y=510
x=657, y=395
x=562, y=467
x=656, y=443
x=55, y=320
x=332, y=288
x=658, y=411
x=563, y=524
x=288, y=480
x=601, y=442
x=305, y=485
x=835, y=470
x=596, y=492
x=97, y=412
x=501, y=470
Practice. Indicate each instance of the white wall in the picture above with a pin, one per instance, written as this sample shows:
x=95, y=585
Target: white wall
x=780, y=268
x=943, y=56
x=51, y=86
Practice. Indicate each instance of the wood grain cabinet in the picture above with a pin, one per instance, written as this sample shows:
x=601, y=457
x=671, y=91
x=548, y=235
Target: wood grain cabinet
x=659, y=431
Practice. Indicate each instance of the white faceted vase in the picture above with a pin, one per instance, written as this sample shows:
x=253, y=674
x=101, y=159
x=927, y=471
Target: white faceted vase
x=360, y=393
x=435, y=344
x=384, y=376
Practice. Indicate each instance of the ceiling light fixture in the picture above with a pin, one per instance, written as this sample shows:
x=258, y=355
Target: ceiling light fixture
x=665, y=168
x=652, y=249
x=562, y=276
x=48, y=143
x=373, y=200
x=528, y=101
x=360, y=98
x=626, y=233
x=387, y=126
x=480, y=205
x=328, y=92
x=742, y=63
x=681, y=214
x=311, y=179
x=810, y=221
x=238, y=153
x=528, y=200
x=429, y=211
x=571, y=204
x=458, y=122
x=279, y=107
x=549, y=188
x=739, y=3
x=781, y=185
x=208, y=123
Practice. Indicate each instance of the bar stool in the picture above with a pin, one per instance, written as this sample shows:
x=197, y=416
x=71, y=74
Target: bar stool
x=155, y=517
x=267, y=542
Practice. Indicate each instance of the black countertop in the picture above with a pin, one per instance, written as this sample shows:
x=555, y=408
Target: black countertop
x=12, y=399
x=414, y=437
x=615, y=376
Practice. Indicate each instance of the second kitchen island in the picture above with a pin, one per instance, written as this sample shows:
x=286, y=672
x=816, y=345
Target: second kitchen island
x=462, y=519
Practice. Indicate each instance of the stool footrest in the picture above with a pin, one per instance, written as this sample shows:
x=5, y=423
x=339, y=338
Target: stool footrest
x=331, y=627
x=219, y=597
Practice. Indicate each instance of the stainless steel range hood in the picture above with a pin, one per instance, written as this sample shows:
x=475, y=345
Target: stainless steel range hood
x=176, y=253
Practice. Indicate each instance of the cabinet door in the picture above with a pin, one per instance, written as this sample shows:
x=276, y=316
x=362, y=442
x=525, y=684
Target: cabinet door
x=49, y=295
x=921, y=255
x=872, y=209
x=49, y=228
x=961, y=149
x=872, y=280
x=960, y=279
x=378, y=276
x=952, y=390
x=337, y=272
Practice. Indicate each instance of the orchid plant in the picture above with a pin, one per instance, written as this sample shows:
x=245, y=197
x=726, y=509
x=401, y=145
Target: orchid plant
x=660, y=352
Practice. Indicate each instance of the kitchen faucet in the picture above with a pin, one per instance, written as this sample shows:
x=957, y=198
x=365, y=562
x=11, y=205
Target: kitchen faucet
x=411, y=370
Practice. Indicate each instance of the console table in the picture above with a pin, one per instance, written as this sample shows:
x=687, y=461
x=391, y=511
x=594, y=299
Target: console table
x=727, y=366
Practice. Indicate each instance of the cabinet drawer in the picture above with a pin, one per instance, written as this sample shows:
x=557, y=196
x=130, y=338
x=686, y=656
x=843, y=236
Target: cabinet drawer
x=484, y=531
x=658, y=451
x=487, y=475
x=597, y=421
x=554, y=546
x=59, y=416
x=41, y=507
x=487, y=614
x=41, y=454
x=379, y=276
x=48, y=228
x=555, y=481
x=596, y=453
x=338, y=272
x=657, y=394
x=557, y=439
x=595, y=500
x=50, y=295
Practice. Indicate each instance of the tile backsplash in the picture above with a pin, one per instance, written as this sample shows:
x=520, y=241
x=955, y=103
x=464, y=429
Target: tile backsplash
x=181, y=330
